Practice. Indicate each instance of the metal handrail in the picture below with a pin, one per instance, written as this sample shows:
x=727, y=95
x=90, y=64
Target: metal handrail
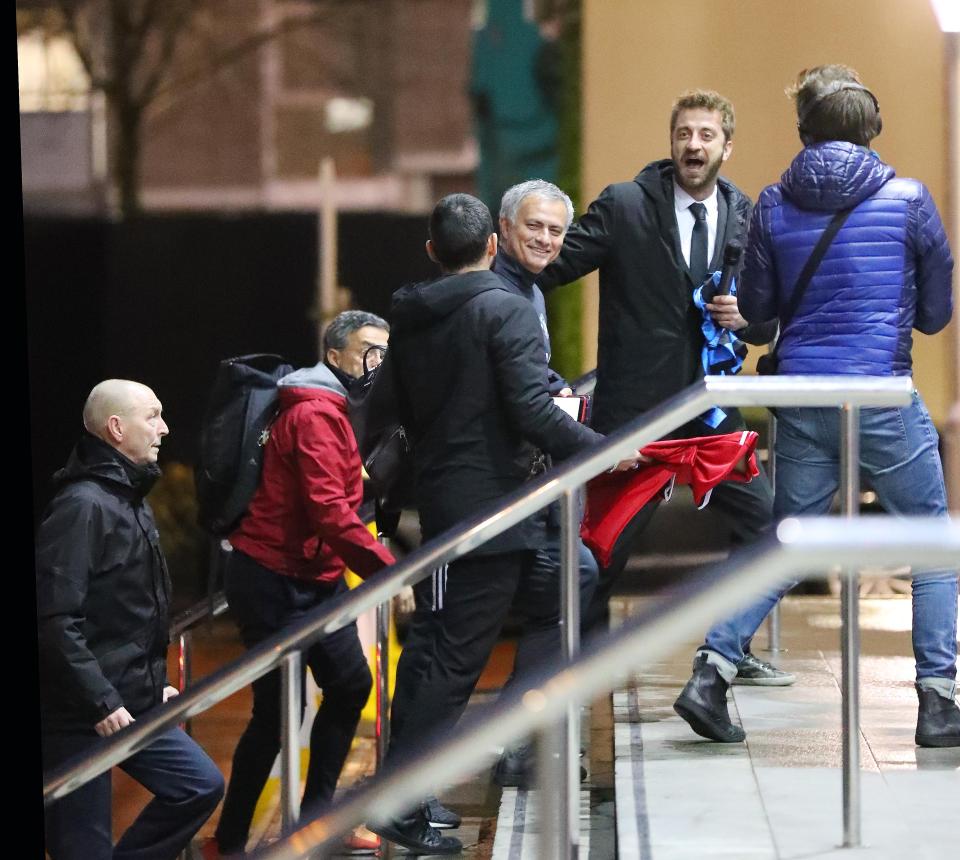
x=797, y=547
x=559, y=483
x=198, y=613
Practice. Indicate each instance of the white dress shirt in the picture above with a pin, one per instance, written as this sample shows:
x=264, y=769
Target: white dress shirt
x=685, y=220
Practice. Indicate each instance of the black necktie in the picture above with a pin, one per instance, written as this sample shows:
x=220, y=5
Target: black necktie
x=698, y=244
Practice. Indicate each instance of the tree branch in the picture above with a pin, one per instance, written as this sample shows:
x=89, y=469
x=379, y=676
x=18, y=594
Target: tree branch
x=168, y=47
x=244, y=47
x=81, y=46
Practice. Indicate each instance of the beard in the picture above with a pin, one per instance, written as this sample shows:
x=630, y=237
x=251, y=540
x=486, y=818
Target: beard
x=703, y=176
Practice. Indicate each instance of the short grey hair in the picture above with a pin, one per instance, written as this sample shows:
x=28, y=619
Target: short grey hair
x=345, y=324
x=515, y=195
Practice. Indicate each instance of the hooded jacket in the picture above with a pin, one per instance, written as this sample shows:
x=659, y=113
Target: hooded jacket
x=887, y=271
x=649, y=337
x=470, y=369
x=103, y=592
x=302, y=520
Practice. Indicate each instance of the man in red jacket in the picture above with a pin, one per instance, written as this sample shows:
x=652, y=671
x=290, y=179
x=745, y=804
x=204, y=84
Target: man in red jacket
x=289, y=555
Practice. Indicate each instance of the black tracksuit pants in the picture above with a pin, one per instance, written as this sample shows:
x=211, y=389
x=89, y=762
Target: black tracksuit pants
x=447, y=647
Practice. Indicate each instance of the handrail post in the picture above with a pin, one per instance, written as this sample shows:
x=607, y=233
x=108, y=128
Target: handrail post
x=553, y=842
x=185, y=670
x=184, y=677
x=569, y=783
x=291, y=689
x=773, y=619
x=850, y=630
x=382, y=665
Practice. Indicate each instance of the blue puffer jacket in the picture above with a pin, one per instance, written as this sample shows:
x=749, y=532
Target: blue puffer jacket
x=887, y=271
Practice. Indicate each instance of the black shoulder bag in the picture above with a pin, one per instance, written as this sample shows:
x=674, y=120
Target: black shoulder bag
x=767, y=364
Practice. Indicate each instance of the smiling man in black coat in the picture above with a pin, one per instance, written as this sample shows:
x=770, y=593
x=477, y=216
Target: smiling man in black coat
x=103, y=598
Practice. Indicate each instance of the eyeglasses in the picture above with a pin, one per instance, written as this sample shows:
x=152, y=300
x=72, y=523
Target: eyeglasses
x=373, y=357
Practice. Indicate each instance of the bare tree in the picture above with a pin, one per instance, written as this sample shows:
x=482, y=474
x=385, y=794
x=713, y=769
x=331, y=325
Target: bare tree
x=133, y=52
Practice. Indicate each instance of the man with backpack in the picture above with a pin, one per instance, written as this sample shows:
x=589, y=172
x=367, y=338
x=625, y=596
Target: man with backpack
x=300, y=532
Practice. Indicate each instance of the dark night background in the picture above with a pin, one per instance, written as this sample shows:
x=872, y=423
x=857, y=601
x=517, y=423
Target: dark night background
x=162, y=299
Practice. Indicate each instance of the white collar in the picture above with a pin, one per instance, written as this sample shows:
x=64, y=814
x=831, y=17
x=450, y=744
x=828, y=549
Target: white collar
x=682, y=201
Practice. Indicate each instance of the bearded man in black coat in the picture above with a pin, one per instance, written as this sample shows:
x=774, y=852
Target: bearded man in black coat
x=655, y=240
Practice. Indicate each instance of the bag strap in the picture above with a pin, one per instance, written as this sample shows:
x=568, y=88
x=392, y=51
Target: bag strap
x=810, y=268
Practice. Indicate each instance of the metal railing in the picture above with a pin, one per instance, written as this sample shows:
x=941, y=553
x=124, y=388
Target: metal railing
x=181, y=630
x=799, y=546
x=562, y=483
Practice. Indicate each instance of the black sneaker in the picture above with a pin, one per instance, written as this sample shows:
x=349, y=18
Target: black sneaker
x=438, y=816
x=756, y=673
x=417, y=836
x=517, y=768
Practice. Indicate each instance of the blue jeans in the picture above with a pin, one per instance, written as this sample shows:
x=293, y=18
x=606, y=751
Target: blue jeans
x=900, y=461
x=184, y=781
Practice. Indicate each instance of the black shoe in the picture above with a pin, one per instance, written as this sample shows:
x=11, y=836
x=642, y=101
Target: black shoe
x=438, y=816
x=938, y=720
x=756, y=673
x=416, y=835
x=703, y=704
x=517, y=768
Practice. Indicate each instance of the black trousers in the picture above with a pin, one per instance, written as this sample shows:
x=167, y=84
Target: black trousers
x=537, y=602
x=746, y=508
x=536, y=599
x=448, y=646
x=264, y=603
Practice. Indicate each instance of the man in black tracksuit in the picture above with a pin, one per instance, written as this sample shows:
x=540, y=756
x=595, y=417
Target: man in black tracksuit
x=643, y=237
x=469, y=365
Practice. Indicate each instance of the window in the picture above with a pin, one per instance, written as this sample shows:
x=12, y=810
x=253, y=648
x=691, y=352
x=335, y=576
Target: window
x=52, y=77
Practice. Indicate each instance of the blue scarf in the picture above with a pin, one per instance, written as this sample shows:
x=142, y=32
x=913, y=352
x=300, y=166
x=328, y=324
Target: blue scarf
x=723, y=352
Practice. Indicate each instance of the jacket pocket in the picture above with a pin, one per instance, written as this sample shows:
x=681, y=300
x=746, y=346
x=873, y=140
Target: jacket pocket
x=126, y=667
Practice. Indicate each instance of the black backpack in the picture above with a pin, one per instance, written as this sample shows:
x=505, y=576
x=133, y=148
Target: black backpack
x=236, y=426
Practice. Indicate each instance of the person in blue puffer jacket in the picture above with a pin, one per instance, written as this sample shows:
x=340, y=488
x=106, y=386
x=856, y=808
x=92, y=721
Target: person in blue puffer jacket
x=887, y=272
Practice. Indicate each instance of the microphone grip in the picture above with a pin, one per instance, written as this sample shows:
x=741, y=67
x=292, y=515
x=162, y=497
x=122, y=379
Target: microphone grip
x=731, y=259
x=726, y=276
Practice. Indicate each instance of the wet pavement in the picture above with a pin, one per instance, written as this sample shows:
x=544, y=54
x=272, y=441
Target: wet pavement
x=778, y=795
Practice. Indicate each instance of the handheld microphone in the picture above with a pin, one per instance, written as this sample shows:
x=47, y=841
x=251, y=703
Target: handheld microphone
x=731, y=259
